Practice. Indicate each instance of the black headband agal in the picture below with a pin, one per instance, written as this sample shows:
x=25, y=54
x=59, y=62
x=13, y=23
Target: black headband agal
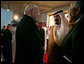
x=57, y=12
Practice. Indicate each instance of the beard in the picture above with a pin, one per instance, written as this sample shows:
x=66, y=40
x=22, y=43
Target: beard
x=74, y=18
x=57, y=21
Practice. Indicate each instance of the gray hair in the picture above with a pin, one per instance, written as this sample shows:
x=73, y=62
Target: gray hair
x=77, y=4
x=34, y=9
x=29, y=7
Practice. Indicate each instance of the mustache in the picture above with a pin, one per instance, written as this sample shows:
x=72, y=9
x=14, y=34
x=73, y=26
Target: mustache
x=56, y=20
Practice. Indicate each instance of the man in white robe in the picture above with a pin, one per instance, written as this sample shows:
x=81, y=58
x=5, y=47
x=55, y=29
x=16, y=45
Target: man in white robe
x=61, y=27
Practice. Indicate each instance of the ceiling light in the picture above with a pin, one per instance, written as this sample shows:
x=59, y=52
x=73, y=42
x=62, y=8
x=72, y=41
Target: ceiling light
x=16, y=17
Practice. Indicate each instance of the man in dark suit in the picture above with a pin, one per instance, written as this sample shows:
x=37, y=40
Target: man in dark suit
x=72, y=45
x=28, y=48
x=7, y=45
x=2, y=35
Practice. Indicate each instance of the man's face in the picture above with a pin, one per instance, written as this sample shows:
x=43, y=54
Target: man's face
x=9, y=27
x=73, y=15
x=57, y=19
x=37, y=13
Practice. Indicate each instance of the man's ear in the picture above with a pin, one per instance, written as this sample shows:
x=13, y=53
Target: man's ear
x=78, y=11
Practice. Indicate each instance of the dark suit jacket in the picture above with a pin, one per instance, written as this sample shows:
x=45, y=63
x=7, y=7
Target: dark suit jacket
x=28, y=47
x=73, y=43
x=7, y=43
x=42, y=36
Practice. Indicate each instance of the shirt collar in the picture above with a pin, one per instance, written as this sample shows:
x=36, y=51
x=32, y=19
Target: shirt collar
x=79, y=19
